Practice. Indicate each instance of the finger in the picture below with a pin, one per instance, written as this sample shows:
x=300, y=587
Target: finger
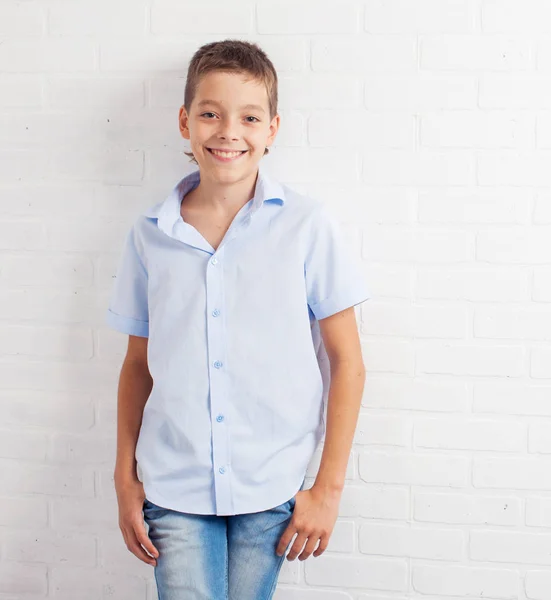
x=138, y=551
x=144, y=540
x=285, y=539
x=324, y=541
x=134, y=546
x=297, y=546
x=310, y=546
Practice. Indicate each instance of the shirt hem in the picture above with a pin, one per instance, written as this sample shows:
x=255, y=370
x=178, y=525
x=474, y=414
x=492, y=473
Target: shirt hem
x=127, y=324
x=155, y=497
x=332, y=306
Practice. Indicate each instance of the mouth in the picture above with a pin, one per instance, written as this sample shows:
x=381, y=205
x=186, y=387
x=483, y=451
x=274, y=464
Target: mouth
x=227, y=156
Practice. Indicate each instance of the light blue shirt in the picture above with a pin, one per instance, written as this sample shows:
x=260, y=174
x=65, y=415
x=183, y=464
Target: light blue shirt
x=240, y=386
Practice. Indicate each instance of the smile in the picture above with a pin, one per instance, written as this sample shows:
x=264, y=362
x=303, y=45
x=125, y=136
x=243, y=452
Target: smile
x=226, y=156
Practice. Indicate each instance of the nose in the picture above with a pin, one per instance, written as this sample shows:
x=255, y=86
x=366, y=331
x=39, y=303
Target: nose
x=227, y=131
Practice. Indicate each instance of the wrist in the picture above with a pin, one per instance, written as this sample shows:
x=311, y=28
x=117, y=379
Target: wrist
x=330, y=488
x=123, y=476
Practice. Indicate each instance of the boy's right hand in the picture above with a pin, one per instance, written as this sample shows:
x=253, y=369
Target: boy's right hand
x=131, y=496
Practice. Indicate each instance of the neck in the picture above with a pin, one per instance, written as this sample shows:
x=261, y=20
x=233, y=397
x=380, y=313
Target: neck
x=223, y=198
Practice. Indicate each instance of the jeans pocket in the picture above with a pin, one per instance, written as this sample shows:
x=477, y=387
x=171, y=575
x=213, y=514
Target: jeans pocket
x=152, y=511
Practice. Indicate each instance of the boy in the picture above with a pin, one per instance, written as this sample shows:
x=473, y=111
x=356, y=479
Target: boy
x=223, y=289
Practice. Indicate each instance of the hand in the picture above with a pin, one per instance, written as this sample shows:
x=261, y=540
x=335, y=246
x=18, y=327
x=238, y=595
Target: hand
x=314, y=518
x=130, y=496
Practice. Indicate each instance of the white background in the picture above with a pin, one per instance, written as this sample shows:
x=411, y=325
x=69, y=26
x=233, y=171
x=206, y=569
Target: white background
x=426, y=126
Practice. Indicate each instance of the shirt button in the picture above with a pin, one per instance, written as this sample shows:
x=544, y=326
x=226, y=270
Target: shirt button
x=214, y=260
x=217, y=364
x=222, y=470
x=220, y=418
x=215, y=312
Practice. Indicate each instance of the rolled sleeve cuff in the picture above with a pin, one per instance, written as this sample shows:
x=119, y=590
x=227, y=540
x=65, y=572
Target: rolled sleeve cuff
x=336, y=303
x=127, y=324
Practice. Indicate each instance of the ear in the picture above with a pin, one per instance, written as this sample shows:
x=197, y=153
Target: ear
x=183, y=119
x=274, y=127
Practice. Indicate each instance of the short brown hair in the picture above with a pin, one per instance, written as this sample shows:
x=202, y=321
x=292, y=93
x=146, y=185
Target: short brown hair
x=231, y=56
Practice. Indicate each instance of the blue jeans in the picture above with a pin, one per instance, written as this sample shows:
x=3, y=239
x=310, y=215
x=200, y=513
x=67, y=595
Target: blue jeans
x=212, y=557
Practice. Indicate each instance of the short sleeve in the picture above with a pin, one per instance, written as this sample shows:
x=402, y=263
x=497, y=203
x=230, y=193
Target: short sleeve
x=334, y=278
x=128, y=306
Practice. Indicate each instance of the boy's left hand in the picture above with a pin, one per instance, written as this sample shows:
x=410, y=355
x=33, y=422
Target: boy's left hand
x=314, y=518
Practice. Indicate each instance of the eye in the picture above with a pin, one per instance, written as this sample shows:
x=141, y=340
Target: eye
x=249, y=117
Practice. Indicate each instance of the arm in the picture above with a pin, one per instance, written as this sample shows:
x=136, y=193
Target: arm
x=135, y=384
x=340, y=336
x=316, y=510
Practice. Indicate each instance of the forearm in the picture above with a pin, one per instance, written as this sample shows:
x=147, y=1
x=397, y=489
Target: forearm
x=343, y=407
x=135, y=385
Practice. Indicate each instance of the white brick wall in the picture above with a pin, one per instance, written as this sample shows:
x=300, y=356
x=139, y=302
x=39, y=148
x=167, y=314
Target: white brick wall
x=426, y=126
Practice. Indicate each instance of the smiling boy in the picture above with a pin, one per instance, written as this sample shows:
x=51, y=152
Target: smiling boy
x=221, y=288
x=228, y=161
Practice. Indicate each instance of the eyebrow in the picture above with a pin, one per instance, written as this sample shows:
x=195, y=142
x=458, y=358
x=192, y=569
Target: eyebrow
x=249, y=106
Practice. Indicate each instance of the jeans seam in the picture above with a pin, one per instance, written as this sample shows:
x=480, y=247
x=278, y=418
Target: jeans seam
x=157, y=583
x=226, y=570
x=291, y=503
x=276, y=576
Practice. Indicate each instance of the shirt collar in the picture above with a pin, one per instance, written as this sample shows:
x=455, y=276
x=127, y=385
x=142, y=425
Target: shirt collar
x=167, y=212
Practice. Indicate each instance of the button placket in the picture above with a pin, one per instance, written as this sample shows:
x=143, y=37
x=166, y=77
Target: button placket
x=216, y=341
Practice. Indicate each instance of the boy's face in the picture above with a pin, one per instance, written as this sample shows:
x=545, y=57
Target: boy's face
x=227, y=124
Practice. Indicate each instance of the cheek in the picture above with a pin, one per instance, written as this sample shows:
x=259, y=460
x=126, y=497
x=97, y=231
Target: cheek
x=200, y=133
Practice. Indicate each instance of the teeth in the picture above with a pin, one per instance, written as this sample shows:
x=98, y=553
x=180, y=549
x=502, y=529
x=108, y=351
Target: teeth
x=225, y=154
